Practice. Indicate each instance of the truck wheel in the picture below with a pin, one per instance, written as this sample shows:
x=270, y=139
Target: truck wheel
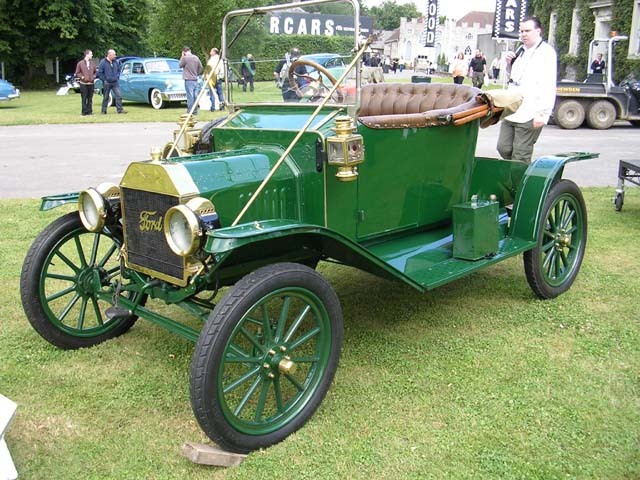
x=552, y=265
x=155, y=98
x=62, y=285
x=569, y=114
x=601, y=115
x=266, y=357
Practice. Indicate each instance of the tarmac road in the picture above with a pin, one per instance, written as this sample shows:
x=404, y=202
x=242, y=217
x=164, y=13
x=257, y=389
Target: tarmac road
x=38, y=160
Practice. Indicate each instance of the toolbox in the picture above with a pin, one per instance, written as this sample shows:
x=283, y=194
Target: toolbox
x=475, y=229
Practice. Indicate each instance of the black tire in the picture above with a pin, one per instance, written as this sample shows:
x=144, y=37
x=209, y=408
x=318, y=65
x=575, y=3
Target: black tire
x=59, y=284
x=287, y=402
x=569, y=114
x=619, y=201
x=204, y=144
x=552, y=265
x=601, y=115
x=155, y=99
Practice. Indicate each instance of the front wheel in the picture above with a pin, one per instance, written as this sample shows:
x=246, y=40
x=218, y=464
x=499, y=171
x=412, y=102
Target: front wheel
x=266, y=357
x=155, y=98
x=552, y=265
x=63, y=283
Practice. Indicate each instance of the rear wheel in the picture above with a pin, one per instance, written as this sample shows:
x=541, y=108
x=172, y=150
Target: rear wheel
x=601, y=115
x=65, y=285
x=155, y=98
x=266, y=357
x=552, y=266
x=569, y=114
x=619, y=201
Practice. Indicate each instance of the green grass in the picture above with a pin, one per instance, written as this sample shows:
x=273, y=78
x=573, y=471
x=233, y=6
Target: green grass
x=474, y=380
x=38, y=107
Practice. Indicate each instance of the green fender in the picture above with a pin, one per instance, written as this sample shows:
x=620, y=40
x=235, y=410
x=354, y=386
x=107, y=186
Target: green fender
x=53, y=201
x=288, y=240
x=533, y=189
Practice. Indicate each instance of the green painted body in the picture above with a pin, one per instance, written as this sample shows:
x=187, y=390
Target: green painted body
x=402, y=199
x=395, y=220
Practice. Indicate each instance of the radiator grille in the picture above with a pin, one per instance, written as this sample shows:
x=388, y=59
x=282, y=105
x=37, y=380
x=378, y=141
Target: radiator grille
x=143, y=217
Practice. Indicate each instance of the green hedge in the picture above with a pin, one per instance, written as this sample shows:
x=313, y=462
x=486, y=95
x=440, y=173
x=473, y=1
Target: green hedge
x=622, y=17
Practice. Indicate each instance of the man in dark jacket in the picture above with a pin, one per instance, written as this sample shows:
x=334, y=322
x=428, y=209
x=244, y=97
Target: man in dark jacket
x=109, y=73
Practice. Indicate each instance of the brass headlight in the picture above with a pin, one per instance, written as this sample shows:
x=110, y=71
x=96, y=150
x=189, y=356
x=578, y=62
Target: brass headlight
x=93, y=205
x=182, y=230
x=184, y=225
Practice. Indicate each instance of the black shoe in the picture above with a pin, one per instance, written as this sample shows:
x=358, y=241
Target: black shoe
x=103, y=113
x=122, y=111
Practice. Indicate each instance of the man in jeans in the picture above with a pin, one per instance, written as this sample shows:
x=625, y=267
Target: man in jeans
x=109, y=73
x=191, y=68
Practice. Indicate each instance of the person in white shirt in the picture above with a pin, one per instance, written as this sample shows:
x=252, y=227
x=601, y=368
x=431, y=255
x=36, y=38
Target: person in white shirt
x=215, y=63
x=533, y=74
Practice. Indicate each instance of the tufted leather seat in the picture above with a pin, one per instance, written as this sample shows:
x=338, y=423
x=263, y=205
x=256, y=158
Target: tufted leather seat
x=411, y=105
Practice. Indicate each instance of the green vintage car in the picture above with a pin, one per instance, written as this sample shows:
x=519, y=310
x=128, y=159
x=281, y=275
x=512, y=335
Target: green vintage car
x=379, y=177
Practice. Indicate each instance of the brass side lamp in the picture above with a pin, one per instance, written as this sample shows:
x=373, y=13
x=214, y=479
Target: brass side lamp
x=346, y=149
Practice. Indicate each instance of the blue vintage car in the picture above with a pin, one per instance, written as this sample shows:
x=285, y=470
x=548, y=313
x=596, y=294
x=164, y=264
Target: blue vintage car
x=157, y=81
x=8, y=91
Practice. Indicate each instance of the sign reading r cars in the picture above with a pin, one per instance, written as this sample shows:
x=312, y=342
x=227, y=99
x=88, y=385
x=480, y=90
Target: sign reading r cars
x=316, y=24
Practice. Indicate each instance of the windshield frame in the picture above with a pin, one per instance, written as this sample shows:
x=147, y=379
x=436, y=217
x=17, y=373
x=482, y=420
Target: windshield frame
x=282, y=7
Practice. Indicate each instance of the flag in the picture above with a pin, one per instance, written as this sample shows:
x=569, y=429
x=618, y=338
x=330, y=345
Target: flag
x=509, y=15
x=430, y=23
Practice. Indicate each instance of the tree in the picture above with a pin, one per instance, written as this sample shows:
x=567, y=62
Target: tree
x=32, y=32
x=387, y=16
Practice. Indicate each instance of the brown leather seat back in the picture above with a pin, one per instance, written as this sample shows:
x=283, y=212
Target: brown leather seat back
x=401, y=105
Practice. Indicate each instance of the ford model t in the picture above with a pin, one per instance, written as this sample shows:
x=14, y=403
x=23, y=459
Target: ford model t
x=381, y=177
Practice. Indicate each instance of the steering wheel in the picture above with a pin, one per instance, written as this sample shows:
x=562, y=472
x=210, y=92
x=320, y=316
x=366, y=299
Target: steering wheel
x=321, y=90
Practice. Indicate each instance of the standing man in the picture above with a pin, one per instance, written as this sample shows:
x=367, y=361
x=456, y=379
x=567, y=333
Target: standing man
x=477, y=69
x=533, y=74
x=248, y=70
x=215, y=63
x=86, y=72
x=191, y=68
x=289, y=92
x=109, y=73
x=598, y=65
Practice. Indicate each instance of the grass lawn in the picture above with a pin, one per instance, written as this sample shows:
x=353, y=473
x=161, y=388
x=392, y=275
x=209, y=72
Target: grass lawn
x=474, y=380
x=38, y=107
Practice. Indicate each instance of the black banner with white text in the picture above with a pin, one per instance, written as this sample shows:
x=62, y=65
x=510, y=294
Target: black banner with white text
x=430, y=23
x=509, y=15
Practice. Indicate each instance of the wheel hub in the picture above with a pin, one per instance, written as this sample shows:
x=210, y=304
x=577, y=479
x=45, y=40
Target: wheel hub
x=562, y=240
x=276, y=362
x=90, y=281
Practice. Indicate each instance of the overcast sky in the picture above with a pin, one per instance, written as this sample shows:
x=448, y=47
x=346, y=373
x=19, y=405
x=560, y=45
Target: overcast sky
x=451, y=8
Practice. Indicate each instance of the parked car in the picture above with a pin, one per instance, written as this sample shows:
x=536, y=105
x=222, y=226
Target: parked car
x=385, y=181
x=332, y=62
x=8, y=91
x=156, y=81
